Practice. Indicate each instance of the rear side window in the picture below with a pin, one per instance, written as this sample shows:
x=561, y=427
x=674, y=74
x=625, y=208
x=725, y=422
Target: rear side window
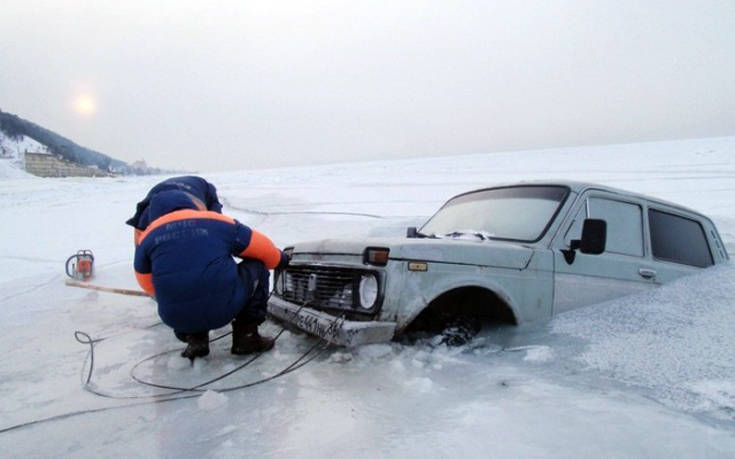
x=678, y=239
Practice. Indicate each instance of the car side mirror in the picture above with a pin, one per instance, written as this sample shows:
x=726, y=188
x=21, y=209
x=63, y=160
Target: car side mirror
x=594, y=239
x=594, y=236
x=411, y=232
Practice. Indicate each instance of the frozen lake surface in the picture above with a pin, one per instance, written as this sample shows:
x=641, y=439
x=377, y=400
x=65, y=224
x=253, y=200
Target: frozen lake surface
x=650, y=375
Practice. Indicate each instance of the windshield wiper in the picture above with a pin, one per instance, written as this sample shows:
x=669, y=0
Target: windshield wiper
x=463, y=233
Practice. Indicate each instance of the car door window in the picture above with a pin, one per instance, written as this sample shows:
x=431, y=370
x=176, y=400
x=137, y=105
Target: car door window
x=678, y=239
x=624, y=225
x=575, y=229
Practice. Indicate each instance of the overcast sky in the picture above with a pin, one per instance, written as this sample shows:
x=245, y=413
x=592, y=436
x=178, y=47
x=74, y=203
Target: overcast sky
x=243, y=84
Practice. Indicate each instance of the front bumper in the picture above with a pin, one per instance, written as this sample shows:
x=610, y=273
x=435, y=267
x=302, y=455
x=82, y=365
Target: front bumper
x=333, y=329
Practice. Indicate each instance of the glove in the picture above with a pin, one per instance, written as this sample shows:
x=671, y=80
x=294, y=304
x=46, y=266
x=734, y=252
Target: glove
x=283, y=264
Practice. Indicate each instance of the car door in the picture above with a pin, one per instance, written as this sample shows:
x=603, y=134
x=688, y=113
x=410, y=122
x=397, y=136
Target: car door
x=621, y=270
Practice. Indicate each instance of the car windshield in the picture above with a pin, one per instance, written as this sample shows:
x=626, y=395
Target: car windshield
x=518, y=213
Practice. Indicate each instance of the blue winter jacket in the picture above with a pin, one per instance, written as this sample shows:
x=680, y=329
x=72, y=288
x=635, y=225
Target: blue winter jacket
x=201, y=192
x=184, y=260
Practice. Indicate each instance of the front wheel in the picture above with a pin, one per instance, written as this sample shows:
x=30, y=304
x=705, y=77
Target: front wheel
x=460, y=330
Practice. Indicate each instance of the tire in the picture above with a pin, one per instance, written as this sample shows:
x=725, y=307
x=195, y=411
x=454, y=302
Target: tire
x=460, y=331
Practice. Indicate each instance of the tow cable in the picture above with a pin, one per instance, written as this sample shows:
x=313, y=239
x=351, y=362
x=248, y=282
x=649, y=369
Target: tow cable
x=296, y=364
x=85, y=338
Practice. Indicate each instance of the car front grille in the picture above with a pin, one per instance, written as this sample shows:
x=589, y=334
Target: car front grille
x=322, y=287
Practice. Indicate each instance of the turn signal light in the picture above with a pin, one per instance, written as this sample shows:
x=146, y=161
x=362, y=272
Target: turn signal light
x=377, y=256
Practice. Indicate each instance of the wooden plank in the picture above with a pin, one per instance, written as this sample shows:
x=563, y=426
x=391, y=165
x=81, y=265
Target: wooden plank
x=120, y=291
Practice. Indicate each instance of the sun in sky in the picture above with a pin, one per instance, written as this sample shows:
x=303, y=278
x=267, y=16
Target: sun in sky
x=84, y=104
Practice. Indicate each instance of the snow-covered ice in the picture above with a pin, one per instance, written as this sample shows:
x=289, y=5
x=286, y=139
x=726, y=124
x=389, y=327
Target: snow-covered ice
x=651, y=375
x=676, y=341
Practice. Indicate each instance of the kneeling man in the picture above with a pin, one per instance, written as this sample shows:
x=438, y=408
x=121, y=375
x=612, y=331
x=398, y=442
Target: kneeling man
x=184, y=260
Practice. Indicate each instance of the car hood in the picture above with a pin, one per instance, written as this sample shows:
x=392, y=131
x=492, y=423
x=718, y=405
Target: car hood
x=481, y=253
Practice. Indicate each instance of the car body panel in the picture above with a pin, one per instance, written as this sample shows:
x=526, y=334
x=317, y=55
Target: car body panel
x=474, y=252
x=332, y=328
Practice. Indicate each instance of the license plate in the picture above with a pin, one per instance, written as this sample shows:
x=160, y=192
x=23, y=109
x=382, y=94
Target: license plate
x=312, y=325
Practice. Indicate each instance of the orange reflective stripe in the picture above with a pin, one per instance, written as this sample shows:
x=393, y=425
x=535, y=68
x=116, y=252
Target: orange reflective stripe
x=184, y=214
x=263, y=249
x=137, y=236
x=146, y=283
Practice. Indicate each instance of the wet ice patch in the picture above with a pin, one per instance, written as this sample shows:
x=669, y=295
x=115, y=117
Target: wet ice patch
x=211, y=400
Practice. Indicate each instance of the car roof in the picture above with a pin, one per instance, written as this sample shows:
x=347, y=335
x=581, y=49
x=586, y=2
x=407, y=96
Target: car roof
x=580, y=187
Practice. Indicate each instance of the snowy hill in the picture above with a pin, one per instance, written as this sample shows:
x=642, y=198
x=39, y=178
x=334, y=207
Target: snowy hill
x=14, y=148
x=17, y=129
x=11, y=154
x=646, y=376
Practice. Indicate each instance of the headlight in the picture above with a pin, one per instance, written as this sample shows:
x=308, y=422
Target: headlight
x=288, y=282
x=280, y=281
x=368, y=291
x=284, y=283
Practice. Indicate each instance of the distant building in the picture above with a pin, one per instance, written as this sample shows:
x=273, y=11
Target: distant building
x=44, y=164
x=139, y=165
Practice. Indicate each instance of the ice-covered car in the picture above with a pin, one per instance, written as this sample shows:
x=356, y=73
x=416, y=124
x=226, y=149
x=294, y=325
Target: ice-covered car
x=512, y=254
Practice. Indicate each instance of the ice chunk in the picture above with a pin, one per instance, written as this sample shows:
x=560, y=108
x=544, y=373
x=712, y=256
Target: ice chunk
x=715, y=395
x=539, y=354
x=340, y=357
x=375, y=351
x=211, y=400
x=397, y=366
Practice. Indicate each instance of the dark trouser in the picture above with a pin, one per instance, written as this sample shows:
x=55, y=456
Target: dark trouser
x=254, y=277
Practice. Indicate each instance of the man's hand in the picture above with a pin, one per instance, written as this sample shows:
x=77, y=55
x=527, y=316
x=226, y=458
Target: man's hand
x=284, y=262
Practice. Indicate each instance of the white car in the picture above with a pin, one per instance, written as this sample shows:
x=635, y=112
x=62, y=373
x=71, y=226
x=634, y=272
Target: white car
x=513, y=254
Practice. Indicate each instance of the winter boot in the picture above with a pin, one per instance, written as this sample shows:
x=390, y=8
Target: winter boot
x=197, y=345
x=246, y=340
